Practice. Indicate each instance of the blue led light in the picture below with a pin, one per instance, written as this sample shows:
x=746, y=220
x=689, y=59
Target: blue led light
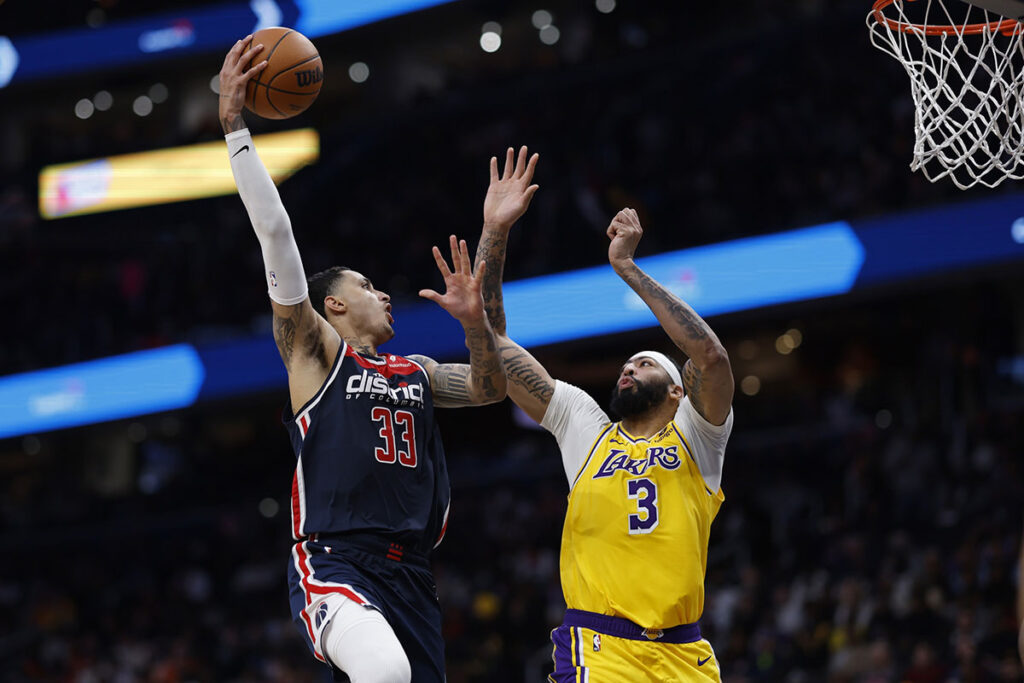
x=714, y=279
x=190, y=31
x=96, y=391
x=322, y=17
x=820, y=261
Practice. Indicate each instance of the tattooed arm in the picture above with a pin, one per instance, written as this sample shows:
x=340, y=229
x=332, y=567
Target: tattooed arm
x=508, y=196
x=307, y=343
x=529, y=384
x=482, y=381
x=707, y=375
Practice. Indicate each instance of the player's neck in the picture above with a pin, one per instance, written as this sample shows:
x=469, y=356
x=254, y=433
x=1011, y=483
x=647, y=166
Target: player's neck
x=361, y=345
x=650, y=423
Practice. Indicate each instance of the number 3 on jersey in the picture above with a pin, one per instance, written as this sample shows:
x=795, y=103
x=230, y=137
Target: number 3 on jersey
x=388, y=420
x=646, y=518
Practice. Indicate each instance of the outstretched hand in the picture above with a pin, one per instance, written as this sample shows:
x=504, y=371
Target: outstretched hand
x=462, y=299
x=508, y=197
x=625, y=233
x=233, y=80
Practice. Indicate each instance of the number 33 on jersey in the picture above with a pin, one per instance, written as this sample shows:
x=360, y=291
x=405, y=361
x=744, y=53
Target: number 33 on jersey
x=368, y=453
x=636, y=497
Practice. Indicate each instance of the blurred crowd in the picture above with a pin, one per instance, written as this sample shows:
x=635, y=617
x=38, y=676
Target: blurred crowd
x=874, y=485
x=777, y=120
x=870, y=533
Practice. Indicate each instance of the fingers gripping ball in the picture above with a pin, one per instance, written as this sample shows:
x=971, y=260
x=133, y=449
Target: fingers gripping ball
x=292, y=78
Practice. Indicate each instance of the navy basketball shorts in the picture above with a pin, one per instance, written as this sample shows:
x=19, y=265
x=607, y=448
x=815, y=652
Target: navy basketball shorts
x=379, y=575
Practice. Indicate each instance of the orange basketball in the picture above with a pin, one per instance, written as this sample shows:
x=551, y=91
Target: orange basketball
x=292, y=78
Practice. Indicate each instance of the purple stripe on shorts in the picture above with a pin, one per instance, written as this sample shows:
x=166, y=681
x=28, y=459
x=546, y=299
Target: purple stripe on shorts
x=564, y=671
x=624, y=628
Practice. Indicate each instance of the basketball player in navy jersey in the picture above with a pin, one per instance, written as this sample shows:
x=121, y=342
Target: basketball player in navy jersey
x=370, y=492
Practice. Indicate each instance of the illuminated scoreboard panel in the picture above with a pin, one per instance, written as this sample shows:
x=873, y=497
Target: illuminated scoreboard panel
x=165, y=175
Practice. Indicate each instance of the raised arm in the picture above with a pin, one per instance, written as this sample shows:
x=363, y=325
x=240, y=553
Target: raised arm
x=306, y=341
x=707, y=375
x=508, y=196
x=482, y=381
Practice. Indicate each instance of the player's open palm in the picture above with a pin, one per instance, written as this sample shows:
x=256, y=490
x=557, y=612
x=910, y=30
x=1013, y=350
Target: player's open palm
x=508, y=196
x=624, y=232
x=462, y=298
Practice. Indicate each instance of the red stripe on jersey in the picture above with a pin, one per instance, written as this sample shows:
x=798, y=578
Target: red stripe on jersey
x=305, y=570
x=444, y=527
x=393, y=365
x=296, y=510
x=304, y=424
x=312, y=638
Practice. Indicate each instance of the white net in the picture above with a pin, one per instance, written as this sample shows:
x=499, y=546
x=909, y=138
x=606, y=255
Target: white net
x=967, y=80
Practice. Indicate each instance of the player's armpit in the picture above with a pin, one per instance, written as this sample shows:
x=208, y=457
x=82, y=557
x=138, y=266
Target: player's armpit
x=303, y=337
x=308, y=346
x=529, y=384
x=710, y=389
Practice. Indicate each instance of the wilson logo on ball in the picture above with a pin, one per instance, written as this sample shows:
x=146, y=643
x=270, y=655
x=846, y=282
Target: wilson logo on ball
x=309, y=76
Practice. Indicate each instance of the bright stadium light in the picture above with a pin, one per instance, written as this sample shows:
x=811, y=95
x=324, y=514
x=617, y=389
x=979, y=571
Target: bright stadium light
x=103, y=100
x=541, y=18
x=268, y=507
x=158, y=93
x=84, y=108
x=605, y=6
x=142, y=106
x=549, y=35
x=359, y=72
x=1017, y=231
x=490, y=41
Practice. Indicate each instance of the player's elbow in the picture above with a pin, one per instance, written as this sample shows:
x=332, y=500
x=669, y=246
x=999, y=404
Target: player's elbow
x=712, y=357
x=272, y=224
x=490, y=389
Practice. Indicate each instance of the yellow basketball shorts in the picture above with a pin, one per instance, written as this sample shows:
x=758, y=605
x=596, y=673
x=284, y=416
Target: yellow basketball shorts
x=596, y=648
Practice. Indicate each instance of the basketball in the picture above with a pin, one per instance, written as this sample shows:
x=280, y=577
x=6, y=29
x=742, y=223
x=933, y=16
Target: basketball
x=292, y=78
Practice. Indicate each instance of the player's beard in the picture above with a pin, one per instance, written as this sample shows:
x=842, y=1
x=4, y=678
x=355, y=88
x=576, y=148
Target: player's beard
x=637, y=399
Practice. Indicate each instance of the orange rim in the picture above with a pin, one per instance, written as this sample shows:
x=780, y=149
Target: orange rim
x=1006, y=26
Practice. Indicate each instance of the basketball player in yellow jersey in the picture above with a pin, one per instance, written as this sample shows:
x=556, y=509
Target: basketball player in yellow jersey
x=643, y=491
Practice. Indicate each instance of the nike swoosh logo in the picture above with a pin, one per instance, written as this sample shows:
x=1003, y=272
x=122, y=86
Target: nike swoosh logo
x=702, y=662
x=244, y=148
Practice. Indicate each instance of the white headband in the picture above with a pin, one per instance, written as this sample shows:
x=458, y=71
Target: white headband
x=664, y=361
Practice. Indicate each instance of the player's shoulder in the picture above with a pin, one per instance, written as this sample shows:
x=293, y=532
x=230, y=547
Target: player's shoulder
x=425, y=363
x=390, y=363
x=692, y=424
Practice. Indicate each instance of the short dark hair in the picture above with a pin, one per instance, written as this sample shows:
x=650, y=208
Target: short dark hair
x=322, y=284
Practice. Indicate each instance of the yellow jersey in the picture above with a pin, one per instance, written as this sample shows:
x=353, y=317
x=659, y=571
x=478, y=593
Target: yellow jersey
x=635, y=538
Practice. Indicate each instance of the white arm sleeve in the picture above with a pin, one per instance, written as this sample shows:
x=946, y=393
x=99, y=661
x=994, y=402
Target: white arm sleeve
x=576, y=420
x=707, y=441
x=286, y=280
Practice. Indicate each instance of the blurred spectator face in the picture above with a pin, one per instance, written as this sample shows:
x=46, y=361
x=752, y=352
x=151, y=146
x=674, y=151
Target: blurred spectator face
x=642, y=385
x=367, y=310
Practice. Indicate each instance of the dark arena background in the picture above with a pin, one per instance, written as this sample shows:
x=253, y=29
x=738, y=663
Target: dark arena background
x=874, y=487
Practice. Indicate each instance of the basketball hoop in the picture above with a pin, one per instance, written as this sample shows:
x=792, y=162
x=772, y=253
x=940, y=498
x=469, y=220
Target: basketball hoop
x=967, y=81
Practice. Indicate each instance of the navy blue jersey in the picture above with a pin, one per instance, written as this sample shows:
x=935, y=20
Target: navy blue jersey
x=369, y=454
